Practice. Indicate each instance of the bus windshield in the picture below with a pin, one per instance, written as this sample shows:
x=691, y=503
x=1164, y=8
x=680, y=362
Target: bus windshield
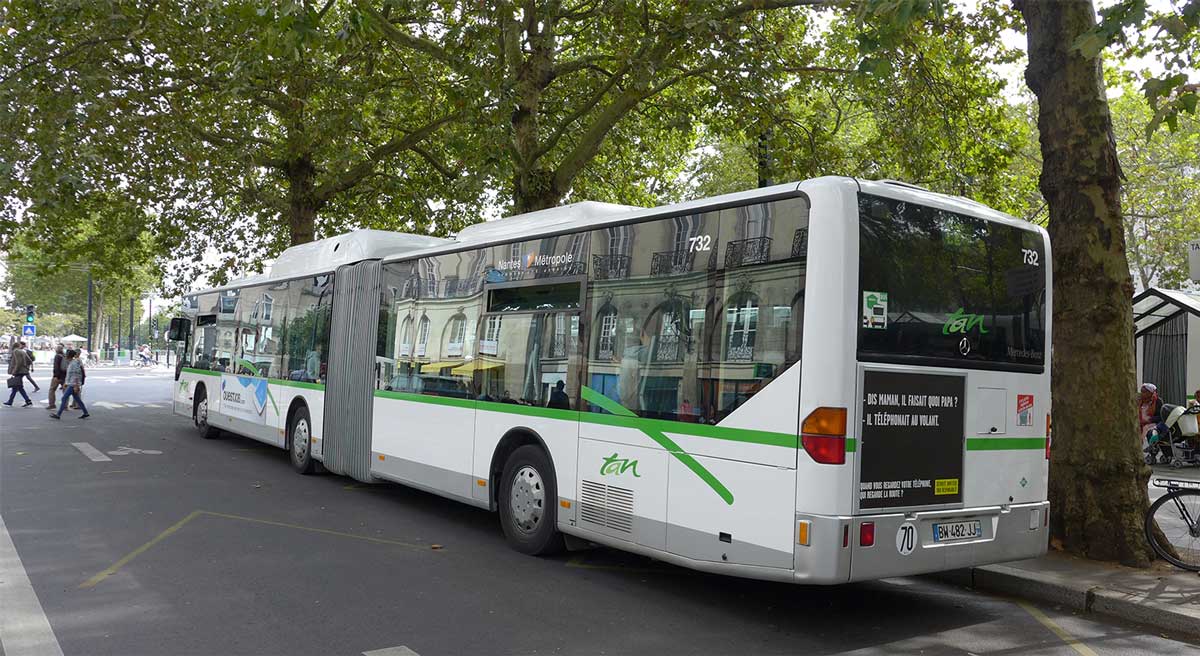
x=947, y=289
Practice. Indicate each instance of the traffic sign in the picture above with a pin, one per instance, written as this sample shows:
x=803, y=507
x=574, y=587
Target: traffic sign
x=29, y=330
x=1194, y=259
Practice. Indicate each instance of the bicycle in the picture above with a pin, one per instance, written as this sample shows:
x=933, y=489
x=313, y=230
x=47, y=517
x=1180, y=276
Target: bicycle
x=1173, y=523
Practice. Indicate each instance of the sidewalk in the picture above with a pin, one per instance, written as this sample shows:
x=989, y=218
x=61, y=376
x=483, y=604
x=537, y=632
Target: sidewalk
x=1162, y=597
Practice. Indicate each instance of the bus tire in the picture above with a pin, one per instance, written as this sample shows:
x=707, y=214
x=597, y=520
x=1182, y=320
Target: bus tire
x=528, y=500
x=200, y=415
x=300, y=441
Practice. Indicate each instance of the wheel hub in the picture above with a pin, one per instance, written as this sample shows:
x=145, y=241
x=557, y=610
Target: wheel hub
x=300, y=439
x=527, y=499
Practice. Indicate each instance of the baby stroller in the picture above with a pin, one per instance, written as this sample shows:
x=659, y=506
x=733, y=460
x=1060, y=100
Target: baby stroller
x=1176, y=441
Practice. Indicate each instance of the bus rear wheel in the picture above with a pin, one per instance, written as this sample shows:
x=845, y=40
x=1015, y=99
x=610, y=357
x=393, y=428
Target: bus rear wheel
x=200, y=414
x=300, y=441
x=529, y=502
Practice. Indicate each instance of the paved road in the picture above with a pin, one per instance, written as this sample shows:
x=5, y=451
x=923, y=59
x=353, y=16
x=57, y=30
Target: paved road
x=171, y=544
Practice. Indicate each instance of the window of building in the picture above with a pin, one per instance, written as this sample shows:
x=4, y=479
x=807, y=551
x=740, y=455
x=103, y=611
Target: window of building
x=741, y=321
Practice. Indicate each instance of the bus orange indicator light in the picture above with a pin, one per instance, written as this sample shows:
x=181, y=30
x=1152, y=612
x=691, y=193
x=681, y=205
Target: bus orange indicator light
x=480, y=482
x=381, y=456
x=802, y=533
x=825, y=421
x=564, y=503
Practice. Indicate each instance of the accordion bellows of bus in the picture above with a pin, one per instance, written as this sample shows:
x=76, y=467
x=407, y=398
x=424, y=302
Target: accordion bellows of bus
x=819, y=382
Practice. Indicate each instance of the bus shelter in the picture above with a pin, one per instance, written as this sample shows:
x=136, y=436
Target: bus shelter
x=1167, y=339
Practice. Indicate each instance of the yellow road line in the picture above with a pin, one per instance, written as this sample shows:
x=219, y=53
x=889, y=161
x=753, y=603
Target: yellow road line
x=1057, y=630
x=325, y=531
x=112, y=569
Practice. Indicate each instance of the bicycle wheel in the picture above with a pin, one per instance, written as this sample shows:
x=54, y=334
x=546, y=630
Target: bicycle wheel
x=1177, y=515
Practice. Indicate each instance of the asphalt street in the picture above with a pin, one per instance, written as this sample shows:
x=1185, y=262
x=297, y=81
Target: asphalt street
x=137, y=537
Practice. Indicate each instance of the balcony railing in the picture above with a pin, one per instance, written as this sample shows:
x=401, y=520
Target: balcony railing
x=610, y=267
x=460, y=287
x=668, y=349
x=747, y=251
x=800, y=243
x=740, y=353
x=670, y=263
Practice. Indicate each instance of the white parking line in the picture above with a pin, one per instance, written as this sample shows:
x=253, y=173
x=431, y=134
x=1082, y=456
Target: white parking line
x=91, y=452
x=24, y=629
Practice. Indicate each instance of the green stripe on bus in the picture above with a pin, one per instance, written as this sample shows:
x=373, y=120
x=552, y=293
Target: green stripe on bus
x=851, y=445
x=621, y=420
x=297, y=383
x=1005, y=443
x=597, y=399
x=202, y=372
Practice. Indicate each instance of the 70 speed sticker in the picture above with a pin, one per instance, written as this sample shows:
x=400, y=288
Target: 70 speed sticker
x=906, y=538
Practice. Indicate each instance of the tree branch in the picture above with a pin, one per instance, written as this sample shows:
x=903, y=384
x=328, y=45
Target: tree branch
x=401, y=39
x=354, y=174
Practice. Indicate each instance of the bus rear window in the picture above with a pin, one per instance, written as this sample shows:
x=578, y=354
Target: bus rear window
x=945, y=289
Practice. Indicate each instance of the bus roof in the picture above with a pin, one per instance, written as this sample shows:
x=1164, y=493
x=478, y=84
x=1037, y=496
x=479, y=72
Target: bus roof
x=328, y=254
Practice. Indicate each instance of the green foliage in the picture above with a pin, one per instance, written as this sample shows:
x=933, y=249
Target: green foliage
x=1171, y=37
x=227, y=128
x=1160, y=199
x=934, y=115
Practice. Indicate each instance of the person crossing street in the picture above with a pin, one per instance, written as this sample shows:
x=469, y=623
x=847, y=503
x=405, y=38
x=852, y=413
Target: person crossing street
x=18, y=369
x=74, y=384
x=59, y=376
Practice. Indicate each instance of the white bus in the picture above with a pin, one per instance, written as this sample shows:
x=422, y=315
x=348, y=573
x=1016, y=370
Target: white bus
x=820, y=382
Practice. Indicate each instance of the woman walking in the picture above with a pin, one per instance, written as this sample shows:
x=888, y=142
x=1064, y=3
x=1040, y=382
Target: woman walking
x=73, y=384
x=18, y=369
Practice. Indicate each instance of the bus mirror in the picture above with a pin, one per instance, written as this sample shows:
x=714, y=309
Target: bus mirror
x=178, y=332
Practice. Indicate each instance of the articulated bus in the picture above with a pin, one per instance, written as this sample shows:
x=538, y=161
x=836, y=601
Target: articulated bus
x=820, y=382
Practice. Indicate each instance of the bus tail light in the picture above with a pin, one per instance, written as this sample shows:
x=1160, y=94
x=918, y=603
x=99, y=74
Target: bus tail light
x=866, y=534
x=1047, y=436
x=823, y=434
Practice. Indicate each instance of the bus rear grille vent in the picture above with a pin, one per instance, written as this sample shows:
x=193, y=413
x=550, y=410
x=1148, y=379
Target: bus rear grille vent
x=607, y=506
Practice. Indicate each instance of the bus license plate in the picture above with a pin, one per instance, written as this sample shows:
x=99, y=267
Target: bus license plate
x=952, y=531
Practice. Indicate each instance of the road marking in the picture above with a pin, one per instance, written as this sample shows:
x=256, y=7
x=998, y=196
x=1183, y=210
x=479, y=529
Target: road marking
x=392, y=651
x=24, y=628
x=91, y=452
x=108, y=404
x=126, y=450
x=112, y=569
x=1057, y=630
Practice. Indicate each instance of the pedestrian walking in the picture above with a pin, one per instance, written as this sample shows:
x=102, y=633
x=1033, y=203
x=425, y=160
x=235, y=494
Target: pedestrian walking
x=18, y=369
x=59, y=377
x=74, y=384
x=32, y=359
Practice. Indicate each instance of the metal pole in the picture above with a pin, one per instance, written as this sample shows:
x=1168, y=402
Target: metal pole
x=89, y=323
x=131, y=327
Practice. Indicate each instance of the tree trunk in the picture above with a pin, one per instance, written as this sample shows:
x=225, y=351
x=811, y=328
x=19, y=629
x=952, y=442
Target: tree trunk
x=1097, y=476
x=302, y=204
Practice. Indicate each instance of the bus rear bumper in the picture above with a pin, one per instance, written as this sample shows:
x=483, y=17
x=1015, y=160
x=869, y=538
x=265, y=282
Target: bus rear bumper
x=1013, y=532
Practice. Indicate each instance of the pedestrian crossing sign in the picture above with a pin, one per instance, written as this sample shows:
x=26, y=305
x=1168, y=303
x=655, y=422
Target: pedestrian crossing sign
x=29, y=330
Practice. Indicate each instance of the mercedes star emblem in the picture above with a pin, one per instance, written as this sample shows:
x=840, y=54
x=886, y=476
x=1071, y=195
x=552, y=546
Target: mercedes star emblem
x=964, y=346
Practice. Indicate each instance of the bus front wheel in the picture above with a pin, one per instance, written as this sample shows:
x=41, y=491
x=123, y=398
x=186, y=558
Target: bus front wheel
x=529, y=502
